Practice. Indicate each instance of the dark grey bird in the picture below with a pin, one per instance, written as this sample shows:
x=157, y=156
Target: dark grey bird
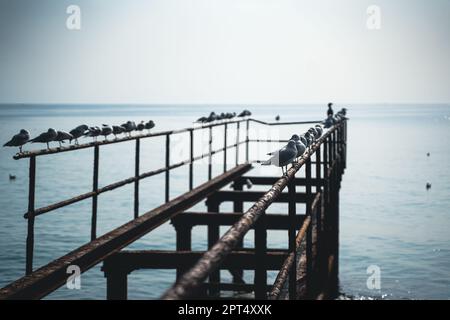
x=12, y=177
x=117, y=130
x=93, y=132
x=310, y=140
x=428, y=186
x=129, y=126
x=212, y=117
x=313, y=132
x=319, y=130
x=330, y=109
x=304, y=140
x=244, y=113
x=301, y=148
x=277, y=118
x=282, y=157
x=62, y=136
x=18, y=140
x=140, y=126
x=149, y=125
x=78, y=132
x=428, y=154
x=106, y=130
x=328, y=122
x=201, y=120
x=45, y=137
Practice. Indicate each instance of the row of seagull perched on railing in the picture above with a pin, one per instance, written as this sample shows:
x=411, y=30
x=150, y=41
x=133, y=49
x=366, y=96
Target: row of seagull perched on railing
x=297, y=145
x=222, y=116
x=52, y=135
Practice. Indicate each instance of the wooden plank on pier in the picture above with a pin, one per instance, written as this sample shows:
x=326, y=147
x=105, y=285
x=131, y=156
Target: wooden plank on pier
x=253, y=196
x=50, y=277
x=275, y=221
x=130, y=260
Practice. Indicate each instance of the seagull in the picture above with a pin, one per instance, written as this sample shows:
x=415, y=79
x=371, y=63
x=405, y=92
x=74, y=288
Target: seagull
x=301, y=148
x=201, y=120
x=313, y=132
x=212, y=117
x=282, y=157
x=310, y=139
x=149, y=125
x=18, y=140
x=78, y=132
x=94, y=132
x=46, y=137
x=328, y=122
x=140, y=126
x=319, y=131
x=304, y=140
x=117, y=130
x=106, y=130
x=129, y=126
x=244, y=113
x=61, y=136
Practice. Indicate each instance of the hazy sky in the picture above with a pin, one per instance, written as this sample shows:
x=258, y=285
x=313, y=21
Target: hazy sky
x=224, y=51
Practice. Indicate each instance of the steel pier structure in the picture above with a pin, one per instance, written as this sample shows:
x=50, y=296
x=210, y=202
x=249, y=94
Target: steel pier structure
x=307, y=269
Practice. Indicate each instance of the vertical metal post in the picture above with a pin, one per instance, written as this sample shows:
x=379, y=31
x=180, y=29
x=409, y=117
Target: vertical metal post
x=136, y=175
x=247, y=140
x=225, y=148
x=167, y=168
x=309, y=244
x=292, y=246
x=213, y=237
x=238, y=128
x=238, y=207
x=210, y=154
x=116, y=284
x=184, y=239
x=30, y=232
x=95, y=197
x=260, y=278
x=191, y=162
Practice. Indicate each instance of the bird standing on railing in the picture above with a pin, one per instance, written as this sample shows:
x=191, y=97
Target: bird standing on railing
x=330, y=110
x=244, y=114
x=18, y=140
x=61, y=136
x=45, y=137
x=129, y=126
x=140, y=126
x=149, y=125
x=106, y=130
x=301, y=148
x=319, y=131
x=78, y=132
x=93, y=132
x=116, y=130
x=283, y=157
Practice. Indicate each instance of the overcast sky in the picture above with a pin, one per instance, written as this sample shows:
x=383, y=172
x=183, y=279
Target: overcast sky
x=224, y=51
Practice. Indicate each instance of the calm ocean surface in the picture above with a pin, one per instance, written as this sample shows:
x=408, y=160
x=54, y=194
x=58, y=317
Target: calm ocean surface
x=388, y=218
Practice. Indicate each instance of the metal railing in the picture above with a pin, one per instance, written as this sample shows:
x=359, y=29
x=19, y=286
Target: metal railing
x=33, y=212
x=322, y=208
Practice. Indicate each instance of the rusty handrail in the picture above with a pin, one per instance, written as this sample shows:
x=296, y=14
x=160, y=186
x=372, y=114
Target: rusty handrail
x=121, y=183
x=212, y=259
x=42, y=152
